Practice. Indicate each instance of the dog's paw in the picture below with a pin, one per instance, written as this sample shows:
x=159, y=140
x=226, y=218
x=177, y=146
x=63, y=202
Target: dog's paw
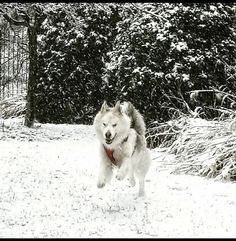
x=120, y=175
x=101, y=184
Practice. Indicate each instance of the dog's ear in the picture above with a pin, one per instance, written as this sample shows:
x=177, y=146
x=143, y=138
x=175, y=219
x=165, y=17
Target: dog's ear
x=118, y=107
x=130, y=108
x=104, y=106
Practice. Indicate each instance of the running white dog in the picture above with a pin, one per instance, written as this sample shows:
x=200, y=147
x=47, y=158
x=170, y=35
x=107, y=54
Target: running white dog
x=121, y=132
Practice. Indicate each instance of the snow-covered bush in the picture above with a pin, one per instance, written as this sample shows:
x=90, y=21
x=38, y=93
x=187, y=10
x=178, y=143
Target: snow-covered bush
x=205, y=148
x=71, y=53
x=164, y=50
x=199, y=146
x=152, y=54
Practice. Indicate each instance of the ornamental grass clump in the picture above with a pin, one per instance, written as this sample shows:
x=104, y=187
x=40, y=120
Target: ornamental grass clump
x=203, y=147
x=12, y=107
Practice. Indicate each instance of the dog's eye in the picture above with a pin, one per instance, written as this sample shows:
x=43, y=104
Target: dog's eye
x=104, y=124
x=114, y=125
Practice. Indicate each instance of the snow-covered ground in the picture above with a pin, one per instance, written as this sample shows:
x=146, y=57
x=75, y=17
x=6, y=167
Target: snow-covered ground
x=48, y=189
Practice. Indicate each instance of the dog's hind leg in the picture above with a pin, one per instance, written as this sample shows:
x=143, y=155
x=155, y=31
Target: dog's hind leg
x=132, y=180
x=141, y=171
x=131, y=175
x=141, y=178
x=141, y=191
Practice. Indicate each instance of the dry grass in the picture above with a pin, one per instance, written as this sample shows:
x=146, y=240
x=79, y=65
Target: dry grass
x=201, y=147
x=12, y=107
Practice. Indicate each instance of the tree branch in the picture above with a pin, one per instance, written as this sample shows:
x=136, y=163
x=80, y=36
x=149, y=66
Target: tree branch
x=213, y=90
x=148, y=12
x=13, y=21
x=25, y=16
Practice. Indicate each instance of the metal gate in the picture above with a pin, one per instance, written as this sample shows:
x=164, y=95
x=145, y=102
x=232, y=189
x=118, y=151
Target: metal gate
x=13, y=61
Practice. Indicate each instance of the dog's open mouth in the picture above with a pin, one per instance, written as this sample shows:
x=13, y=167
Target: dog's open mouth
x=110, y=140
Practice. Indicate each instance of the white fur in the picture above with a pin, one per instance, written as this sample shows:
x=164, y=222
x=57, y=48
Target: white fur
x=132, y=156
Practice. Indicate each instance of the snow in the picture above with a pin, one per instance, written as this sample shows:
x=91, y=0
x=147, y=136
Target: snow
x=180, y=46
x=48, y=189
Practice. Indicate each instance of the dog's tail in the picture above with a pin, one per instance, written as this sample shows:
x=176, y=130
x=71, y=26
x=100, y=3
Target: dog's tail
x=137, y=121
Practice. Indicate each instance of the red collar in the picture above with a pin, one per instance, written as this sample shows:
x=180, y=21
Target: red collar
x=109, y=153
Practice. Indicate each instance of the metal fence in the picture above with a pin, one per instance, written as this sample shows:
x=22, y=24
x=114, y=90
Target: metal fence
x=13, y=61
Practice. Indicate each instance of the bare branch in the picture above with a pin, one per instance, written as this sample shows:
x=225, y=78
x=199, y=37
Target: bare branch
x=213, y=90
x=25, y=16
x=148, y=12
x=13, y=21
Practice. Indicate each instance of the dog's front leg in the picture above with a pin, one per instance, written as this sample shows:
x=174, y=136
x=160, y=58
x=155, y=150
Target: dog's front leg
x=123, y=169
x=105, y=174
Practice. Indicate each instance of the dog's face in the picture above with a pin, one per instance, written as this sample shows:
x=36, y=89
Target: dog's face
x=111, y=124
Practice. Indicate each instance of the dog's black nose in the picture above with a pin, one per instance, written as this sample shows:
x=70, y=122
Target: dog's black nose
x=108, y=135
